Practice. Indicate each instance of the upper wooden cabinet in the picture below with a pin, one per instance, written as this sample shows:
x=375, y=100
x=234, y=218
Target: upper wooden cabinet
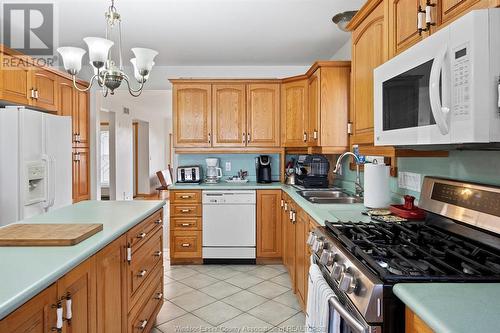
x=192, y=115
x=403, y=25
x=369, y=50
x=81, y=118
x=229, y=115
x=269, y=233
x=15, y=80
x=45, y=86
x=294, y=113
x=263, y=115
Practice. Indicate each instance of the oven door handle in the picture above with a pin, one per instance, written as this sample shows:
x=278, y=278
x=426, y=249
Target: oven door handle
x=349, y=318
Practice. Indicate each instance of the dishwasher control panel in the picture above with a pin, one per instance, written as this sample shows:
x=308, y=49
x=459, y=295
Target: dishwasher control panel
x=221, y=197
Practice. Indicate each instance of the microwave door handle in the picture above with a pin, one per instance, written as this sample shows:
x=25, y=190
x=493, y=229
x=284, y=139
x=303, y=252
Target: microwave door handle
x=440, y=112
x=353, y=323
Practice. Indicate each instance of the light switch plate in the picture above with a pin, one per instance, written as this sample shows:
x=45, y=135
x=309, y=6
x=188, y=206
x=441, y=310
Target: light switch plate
x=410, y=181
x=228, y=166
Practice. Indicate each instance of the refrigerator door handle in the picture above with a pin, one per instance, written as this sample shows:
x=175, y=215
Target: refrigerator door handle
x=49, y=182
x=52, y=181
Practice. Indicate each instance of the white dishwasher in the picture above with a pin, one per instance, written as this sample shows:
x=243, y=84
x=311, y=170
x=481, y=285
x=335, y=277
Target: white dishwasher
x=229, y=226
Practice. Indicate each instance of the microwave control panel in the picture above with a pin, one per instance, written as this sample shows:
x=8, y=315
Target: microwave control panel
x=461, y=81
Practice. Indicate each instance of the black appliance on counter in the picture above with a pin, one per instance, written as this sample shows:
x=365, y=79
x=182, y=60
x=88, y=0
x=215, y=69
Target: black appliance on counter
x=459, y=241
x=312, y=171
x=263, y=168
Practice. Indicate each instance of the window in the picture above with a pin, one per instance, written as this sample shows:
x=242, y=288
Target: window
x=104, y=157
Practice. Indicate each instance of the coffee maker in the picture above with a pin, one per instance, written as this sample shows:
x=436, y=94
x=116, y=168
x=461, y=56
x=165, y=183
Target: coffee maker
x=214, y=173
x=263, y=168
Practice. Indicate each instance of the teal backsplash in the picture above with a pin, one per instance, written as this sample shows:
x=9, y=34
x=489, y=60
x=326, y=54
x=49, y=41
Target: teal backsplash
x=472, y=166
x=238, y=161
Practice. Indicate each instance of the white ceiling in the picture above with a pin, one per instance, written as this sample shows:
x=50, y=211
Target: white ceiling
x=215, y=32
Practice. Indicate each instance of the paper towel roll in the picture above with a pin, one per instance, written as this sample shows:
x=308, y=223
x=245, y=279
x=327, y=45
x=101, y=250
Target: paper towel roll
x=376, y=186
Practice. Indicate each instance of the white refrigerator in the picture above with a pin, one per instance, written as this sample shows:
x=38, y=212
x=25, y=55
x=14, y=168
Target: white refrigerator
x=35, y=163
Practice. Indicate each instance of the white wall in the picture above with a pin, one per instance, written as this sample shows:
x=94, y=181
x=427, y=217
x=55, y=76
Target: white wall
x=345, y=51
x=143, y=158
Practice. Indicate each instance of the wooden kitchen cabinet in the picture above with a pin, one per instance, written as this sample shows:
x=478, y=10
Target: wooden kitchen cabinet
x=263, y=115
x=290, y=234
x=269, y=233
x=314, y=118
x=413, y=324
x=45, y=85
x=35, y=316
x=301, y=273
x=81, y=171
x=15, y=80
x=402, y=24
x=192, y=115
x=79, y=286
x=229, y=115
x=81, y=116
x=109, y=286
x=294, y=113
x=450, y=10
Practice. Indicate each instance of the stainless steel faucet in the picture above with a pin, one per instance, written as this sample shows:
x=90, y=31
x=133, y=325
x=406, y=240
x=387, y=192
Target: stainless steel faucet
x=338, y=170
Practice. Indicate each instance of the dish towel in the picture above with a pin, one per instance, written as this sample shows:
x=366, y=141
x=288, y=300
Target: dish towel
x=318, y=310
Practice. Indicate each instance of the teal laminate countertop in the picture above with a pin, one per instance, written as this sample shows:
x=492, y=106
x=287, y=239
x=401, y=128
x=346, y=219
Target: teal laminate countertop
x=319, y=212
x=26, y=271
x=454, y=307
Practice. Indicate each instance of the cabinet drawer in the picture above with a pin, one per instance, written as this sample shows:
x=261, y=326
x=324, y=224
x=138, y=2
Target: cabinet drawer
x=142, y=316
x=185, y=210
x=139, y=234
x=143, y=263
x=185, y=244
x=185, y=197
x=189, y=223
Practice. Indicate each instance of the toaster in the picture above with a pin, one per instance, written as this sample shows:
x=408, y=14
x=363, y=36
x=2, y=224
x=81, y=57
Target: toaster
x=189, y=174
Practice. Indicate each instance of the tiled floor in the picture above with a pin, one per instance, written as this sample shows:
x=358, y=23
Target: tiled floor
x=228, y=298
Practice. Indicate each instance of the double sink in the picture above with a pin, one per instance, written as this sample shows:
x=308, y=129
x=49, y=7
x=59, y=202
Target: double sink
x=330, y=196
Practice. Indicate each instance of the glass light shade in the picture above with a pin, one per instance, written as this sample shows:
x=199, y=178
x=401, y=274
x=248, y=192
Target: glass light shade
x=138, y=75
x=72, y=58
x=98, y=50
x=144, y=58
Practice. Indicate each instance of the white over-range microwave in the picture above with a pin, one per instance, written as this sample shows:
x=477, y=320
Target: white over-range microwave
x=445, y=89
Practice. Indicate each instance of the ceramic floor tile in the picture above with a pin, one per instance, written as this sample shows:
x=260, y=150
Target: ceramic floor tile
x=294, y=324
x=265, y=272
x=273, y=312
x=288, y=299
x=283, y=280
x=198, y=281
x=244, y=268
x=179, y=273
x=217, y=313
x=155, y=330
x=174, y=289
x=193, y=300
x=244, y=300
x=168, y=312
x=244, y=280
x=206, y=268
x=222, y=273
x=166, y=280
x=245, y=323
x=186, y=323
x=280, y=268
x=220, y=289
x=268, y=289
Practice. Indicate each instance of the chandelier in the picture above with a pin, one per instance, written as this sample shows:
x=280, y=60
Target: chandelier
x=108, y=75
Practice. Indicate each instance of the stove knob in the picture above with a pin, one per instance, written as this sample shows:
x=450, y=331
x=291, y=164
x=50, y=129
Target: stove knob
x=337, y=270
x=347, y=283
x=327, y=257
x=320, y=245
x=310, y=239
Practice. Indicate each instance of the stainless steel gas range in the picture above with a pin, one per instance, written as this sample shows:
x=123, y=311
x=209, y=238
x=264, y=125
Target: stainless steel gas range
x=459, y=241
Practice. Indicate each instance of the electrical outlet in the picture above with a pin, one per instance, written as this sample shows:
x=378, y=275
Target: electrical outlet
x=228, y=166
x=410, y=181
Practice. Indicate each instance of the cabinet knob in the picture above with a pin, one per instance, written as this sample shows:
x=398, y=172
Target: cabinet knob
x=244, y=138
x=186, y=245
x=185, y=224
x=142, y=273
x=159, y=221
x=142, y=324
x=248, y=138
x=186, y=197
x=141, y=235
x=305, y=137
x=159, y=296
x=158, y=253
x=185, y=210
x=315, y=135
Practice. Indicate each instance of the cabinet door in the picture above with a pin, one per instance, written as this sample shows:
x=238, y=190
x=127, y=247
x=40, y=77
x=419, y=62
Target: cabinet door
x=15, y=80
x=192, y=115
x=81, y=179
x=413, y=323
x=290, y=243
x=294, y=120
x=46, y=86
x=35, y=316
x=67, y=103
x=229, y=115
x=284, y=228
x=451, y=9
x=110, y=308
x=263, y=115
x=402, y=24
x=368, y=52
x=313, y=125
x=81, y=117
x=79, y=286
x=301, y=228
x=269, y=224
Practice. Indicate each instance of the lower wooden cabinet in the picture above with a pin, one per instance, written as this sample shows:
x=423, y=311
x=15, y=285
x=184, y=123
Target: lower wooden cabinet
x=289, y=227
x=413, y=323
x=81, y=170
x=301, y=273
x=269, y=234
x=35, y=316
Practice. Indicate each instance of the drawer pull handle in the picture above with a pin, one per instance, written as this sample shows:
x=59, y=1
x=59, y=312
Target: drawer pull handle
x=186, y=197
x=159, y=221
x=185, y=224
x=159, y=296
x=186, y=245
x=142, y=324
x=158, y=253
x=142, y=273
x=141, y=235
x=185, y=210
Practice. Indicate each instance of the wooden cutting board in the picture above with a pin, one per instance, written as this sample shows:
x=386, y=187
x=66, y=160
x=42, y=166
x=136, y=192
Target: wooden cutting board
x=46, y=234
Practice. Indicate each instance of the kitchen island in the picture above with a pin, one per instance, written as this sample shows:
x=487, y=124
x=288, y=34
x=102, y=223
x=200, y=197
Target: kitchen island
x=104, y=266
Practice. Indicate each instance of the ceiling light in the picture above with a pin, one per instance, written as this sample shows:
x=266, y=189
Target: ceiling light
x=342, y=19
